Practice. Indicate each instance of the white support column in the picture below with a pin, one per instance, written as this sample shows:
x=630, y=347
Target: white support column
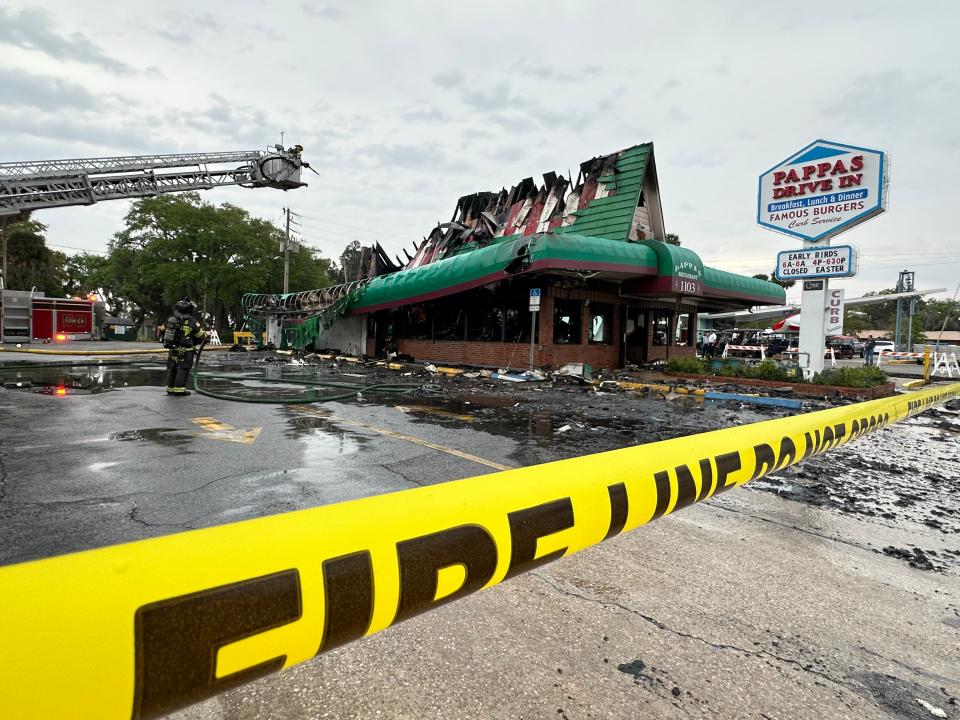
x=273, y=331
x=813, y=321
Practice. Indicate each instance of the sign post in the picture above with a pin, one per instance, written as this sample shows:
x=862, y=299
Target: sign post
x=534, y=309
x=815, y=194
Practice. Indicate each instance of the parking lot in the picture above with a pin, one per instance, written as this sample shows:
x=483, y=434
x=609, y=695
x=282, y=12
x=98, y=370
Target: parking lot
x=830, y=590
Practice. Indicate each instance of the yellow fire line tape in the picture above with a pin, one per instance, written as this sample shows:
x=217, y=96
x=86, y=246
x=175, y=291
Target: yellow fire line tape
x=141, y=629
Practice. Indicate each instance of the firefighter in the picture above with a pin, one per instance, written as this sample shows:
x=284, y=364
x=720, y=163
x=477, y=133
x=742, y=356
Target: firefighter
x=183, y=336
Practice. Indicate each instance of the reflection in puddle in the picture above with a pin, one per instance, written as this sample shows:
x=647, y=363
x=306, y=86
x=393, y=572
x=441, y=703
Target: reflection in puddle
x=323, y=439
x=82, y=381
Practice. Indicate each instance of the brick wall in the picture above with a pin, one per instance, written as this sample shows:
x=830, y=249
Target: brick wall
x=493, y=354
x=499, y=354
x=496, y=354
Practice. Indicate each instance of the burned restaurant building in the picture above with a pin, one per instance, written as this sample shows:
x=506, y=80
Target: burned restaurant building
x=612, y=291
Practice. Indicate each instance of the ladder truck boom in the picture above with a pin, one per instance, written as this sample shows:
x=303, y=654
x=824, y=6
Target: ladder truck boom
x=37, y=185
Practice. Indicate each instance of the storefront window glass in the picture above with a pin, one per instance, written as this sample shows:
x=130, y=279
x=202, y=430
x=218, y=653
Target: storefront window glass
x=601, y=323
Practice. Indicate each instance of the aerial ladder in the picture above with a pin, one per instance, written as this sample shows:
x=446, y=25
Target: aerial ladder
x=39, y=185
x=28, y=186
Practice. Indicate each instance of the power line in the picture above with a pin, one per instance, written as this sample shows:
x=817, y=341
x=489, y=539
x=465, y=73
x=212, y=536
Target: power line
x=361, y=229
x=86, y=250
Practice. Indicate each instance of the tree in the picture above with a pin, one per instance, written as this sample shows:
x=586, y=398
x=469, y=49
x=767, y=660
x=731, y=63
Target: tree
x=773, y=278
x=350, y=262
x=935, y=312
x=672, y=239
x=82, y=274
x=178, y=246
x=30, y=263
x=855, y=321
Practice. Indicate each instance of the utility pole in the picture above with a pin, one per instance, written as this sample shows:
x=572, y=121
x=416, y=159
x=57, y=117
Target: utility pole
x=286, y=258
x=3, y=243
x=913, y=310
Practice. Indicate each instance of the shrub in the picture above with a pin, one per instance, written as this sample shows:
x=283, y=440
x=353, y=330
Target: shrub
x=694, y=366
x=768, y=370
x=733, y=368
x=854, y=377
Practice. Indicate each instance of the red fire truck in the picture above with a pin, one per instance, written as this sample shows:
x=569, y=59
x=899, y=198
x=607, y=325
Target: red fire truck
x=25, y=317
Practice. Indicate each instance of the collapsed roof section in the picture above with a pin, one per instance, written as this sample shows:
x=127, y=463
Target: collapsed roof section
x=615, y=197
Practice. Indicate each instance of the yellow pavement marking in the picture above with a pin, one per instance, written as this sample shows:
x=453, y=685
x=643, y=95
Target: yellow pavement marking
x=216, y=430
x=434, y=411
x=209, y=423
x=307, y=410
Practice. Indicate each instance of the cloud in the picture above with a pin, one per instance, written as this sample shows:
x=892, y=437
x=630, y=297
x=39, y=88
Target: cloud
x=208, y=22
x=512, y=122
x=178, y=37
x=425, y=114
x=449, y=79
x=407, y=156
x=31, y=29
x=43, y=92
x=490, y=99
x=893, y=100
x=321, y=10
x=59, y=131
x=668, y=86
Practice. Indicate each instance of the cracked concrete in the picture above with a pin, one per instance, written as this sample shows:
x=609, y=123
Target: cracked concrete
x=805, y=667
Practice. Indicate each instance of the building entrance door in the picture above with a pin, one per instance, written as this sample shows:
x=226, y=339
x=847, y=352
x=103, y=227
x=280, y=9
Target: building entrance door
x=635, y=335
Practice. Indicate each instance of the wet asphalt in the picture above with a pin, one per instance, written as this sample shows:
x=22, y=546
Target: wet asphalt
x=830, y=590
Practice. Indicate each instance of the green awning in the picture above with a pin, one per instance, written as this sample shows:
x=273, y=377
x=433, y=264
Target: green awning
x=551, y=252
x=740, y=287
x=443, y=277
x=581, y=252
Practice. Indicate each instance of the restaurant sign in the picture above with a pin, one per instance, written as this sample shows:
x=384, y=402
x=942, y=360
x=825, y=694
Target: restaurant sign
x=817, y=262
x=823, y=190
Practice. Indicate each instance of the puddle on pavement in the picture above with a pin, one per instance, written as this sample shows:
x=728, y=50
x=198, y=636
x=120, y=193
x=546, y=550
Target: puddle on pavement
x=81, y=380
x=321, y=434
x=163, y=436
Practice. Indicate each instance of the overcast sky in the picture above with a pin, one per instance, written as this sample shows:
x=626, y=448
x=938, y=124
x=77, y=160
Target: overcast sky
x=404, y=107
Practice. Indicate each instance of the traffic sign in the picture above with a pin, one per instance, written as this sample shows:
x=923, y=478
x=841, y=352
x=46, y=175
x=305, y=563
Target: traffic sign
x=534, y=299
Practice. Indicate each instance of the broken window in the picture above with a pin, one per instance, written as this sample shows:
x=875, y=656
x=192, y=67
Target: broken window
x=417, y=322
x=449, y=321
x=661, y=327
x=484, y=317
x=601, y=323
x=682, y=335
x=516, y=321
x=566, y=322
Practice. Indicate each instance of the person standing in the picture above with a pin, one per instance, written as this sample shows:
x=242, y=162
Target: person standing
x=711, y=345
x=868, y=348
x=182, y=336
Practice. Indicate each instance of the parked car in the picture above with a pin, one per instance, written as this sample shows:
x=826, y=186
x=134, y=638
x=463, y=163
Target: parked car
x=883, y=345
x=842, y=346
